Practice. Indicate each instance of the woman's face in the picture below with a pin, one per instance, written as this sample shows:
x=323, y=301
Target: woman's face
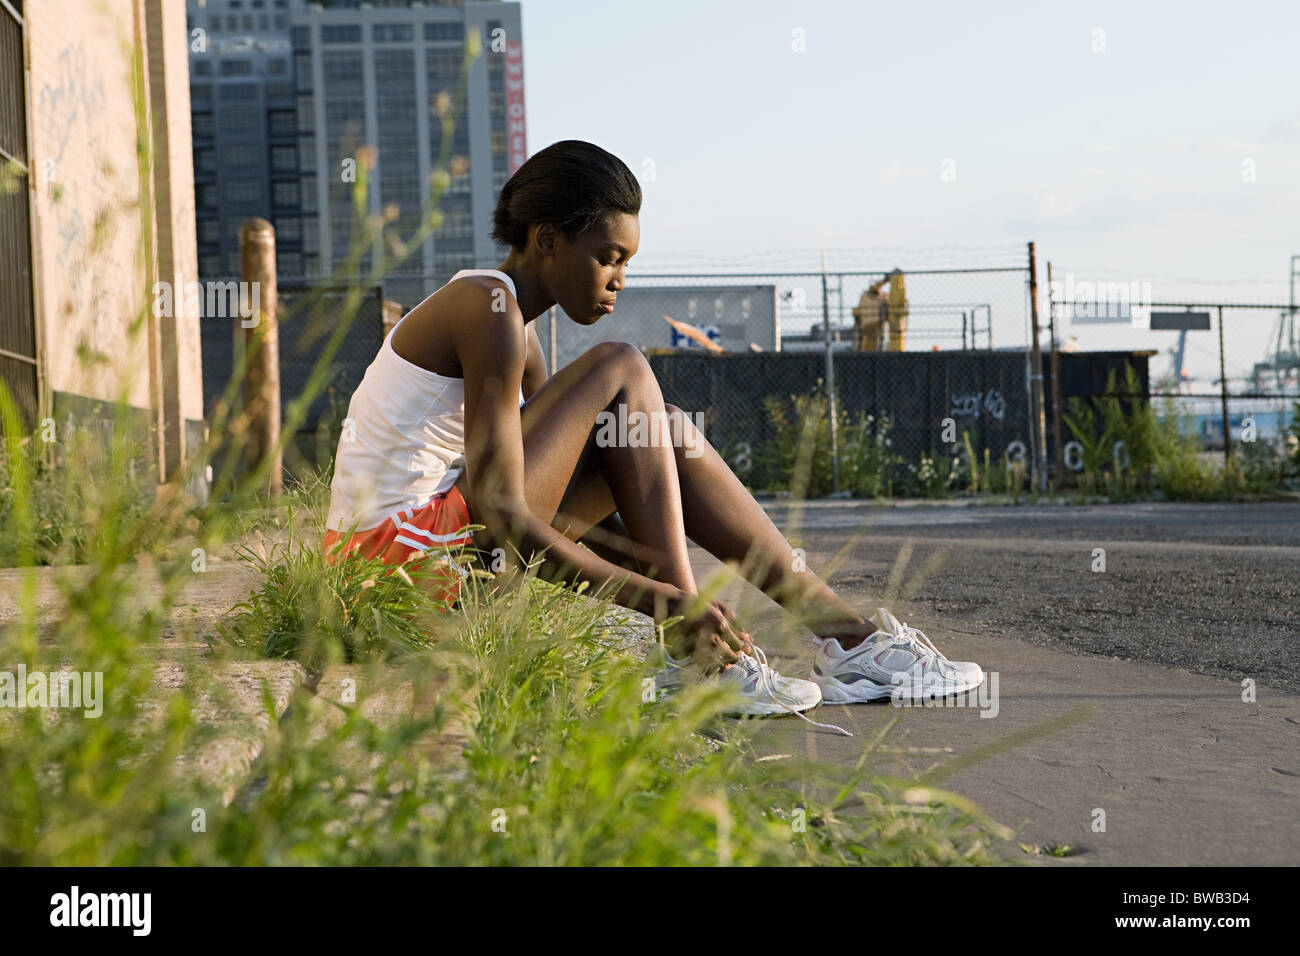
x=591, y=268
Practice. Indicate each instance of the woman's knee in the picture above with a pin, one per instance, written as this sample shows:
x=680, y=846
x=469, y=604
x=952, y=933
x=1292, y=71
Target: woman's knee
x=623, y=361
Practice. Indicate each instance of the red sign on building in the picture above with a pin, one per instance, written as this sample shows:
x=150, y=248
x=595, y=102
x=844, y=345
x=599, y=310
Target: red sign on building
x=516, y=148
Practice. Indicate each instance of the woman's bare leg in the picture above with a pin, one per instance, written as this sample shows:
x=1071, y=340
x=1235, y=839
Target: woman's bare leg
x=721, y=516
x=561, y=456
x=662, y=494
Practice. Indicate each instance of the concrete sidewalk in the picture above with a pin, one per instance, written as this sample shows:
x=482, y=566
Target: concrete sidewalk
x=1185, y=772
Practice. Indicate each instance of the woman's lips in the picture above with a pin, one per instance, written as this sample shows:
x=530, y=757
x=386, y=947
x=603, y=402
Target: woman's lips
x=606, y=307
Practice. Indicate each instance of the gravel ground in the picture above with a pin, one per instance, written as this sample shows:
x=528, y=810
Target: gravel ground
x=1214, y=588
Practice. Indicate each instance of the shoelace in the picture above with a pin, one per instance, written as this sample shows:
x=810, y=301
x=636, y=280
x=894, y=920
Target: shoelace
x=765, y=679
x=768, y=683
x=909, y=635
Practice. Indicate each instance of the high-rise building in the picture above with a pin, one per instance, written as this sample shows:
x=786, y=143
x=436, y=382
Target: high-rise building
x=288, y=96
x=242, y=102
x=384, y=75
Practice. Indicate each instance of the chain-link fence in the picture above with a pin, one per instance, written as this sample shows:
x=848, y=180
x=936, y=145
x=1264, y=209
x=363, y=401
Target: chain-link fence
x=908, y=352
x=928, y=366
x=1217, y=367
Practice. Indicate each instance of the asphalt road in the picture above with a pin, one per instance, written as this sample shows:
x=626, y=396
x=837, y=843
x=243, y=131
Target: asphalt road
x=1214, y=589
x=1161, y=691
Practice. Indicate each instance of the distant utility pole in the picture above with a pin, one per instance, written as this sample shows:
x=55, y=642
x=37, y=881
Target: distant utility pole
x=1037, y=426
x=1058, y=455
x=830, y=379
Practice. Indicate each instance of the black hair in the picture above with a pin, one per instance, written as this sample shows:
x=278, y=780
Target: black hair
x=571, y=184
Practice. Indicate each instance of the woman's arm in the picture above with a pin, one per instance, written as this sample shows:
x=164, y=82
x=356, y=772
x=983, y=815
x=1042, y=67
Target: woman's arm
x=535, y=374
x=493, y=348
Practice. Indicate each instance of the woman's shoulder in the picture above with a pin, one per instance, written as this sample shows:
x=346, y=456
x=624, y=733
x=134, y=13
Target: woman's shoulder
x=470, y=314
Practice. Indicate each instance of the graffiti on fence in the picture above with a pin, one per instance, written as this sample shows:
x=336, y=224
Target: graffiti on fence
x=970, y=405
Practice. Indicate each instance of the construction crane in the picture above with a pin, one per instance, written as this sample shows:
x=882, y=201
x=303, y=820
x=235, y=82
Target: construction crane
x=1282, y=364
x=874, y=311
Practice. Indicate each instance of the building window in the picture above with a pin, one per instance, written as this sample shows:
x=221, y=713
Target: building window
x=240, y=154
x=243, y=190
x=210, y=265
x=311, y=236
x=289, y=264
x=343, y=67
x=285, y=194
x=392, y=32
x=263, y=21
x=209, y=230
x=207, y=196
x=300, y=37
x=277, y=67
x=205, y=160
x=444, y=64
x=282, y=123
x=248, y=21
x=241, y=119
x=201, y=124
x=306, y=154
x=306, y=115
x=288, y=228
x=237, y=92
x=214, y=24
x=231, y=22
x=444, y=32
x=281, y=22
x=308, y=194
x=201, y=67
x=340, y=33
x=284, y=159
x=232, y=263
x=236, y=67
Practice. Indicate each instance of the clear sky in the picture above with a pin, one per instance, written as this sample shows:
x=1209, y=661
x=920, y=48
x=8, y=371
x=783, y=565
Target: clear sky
x=1126, y=154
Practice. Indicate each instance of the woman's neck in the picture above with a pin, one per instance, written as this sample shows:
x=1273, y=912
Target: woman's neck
x=532, y=298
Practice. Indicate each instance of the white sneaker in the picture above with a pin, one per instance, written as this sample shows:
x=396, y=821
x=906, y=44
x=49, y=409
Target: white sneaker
x=762, y=691
x=896, y=661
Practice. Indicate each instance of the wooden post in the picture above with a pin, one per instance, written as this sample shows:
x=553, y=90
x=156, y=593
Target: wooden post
x=262, y=342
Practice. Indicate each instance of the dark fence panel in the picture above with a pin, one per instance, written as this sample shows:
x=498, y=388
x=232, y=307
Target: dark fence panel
x=983, y=392
x=307, y=317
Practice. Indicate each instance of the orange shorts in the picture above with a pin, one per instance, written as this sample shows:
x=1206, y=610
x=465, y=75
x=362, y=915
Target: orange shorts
x=411, y=532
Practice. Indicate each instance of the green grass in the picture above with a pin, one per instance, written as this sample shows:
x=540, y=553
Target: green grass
x=558, y=759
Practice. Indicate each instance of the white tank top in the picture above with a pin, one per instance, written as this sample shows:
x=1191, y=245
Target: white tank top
x=404, y=438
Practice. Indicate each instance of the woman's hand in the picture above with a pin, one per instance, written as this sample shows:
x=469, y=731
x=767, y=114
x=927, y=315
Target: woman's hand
x=709, y=633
